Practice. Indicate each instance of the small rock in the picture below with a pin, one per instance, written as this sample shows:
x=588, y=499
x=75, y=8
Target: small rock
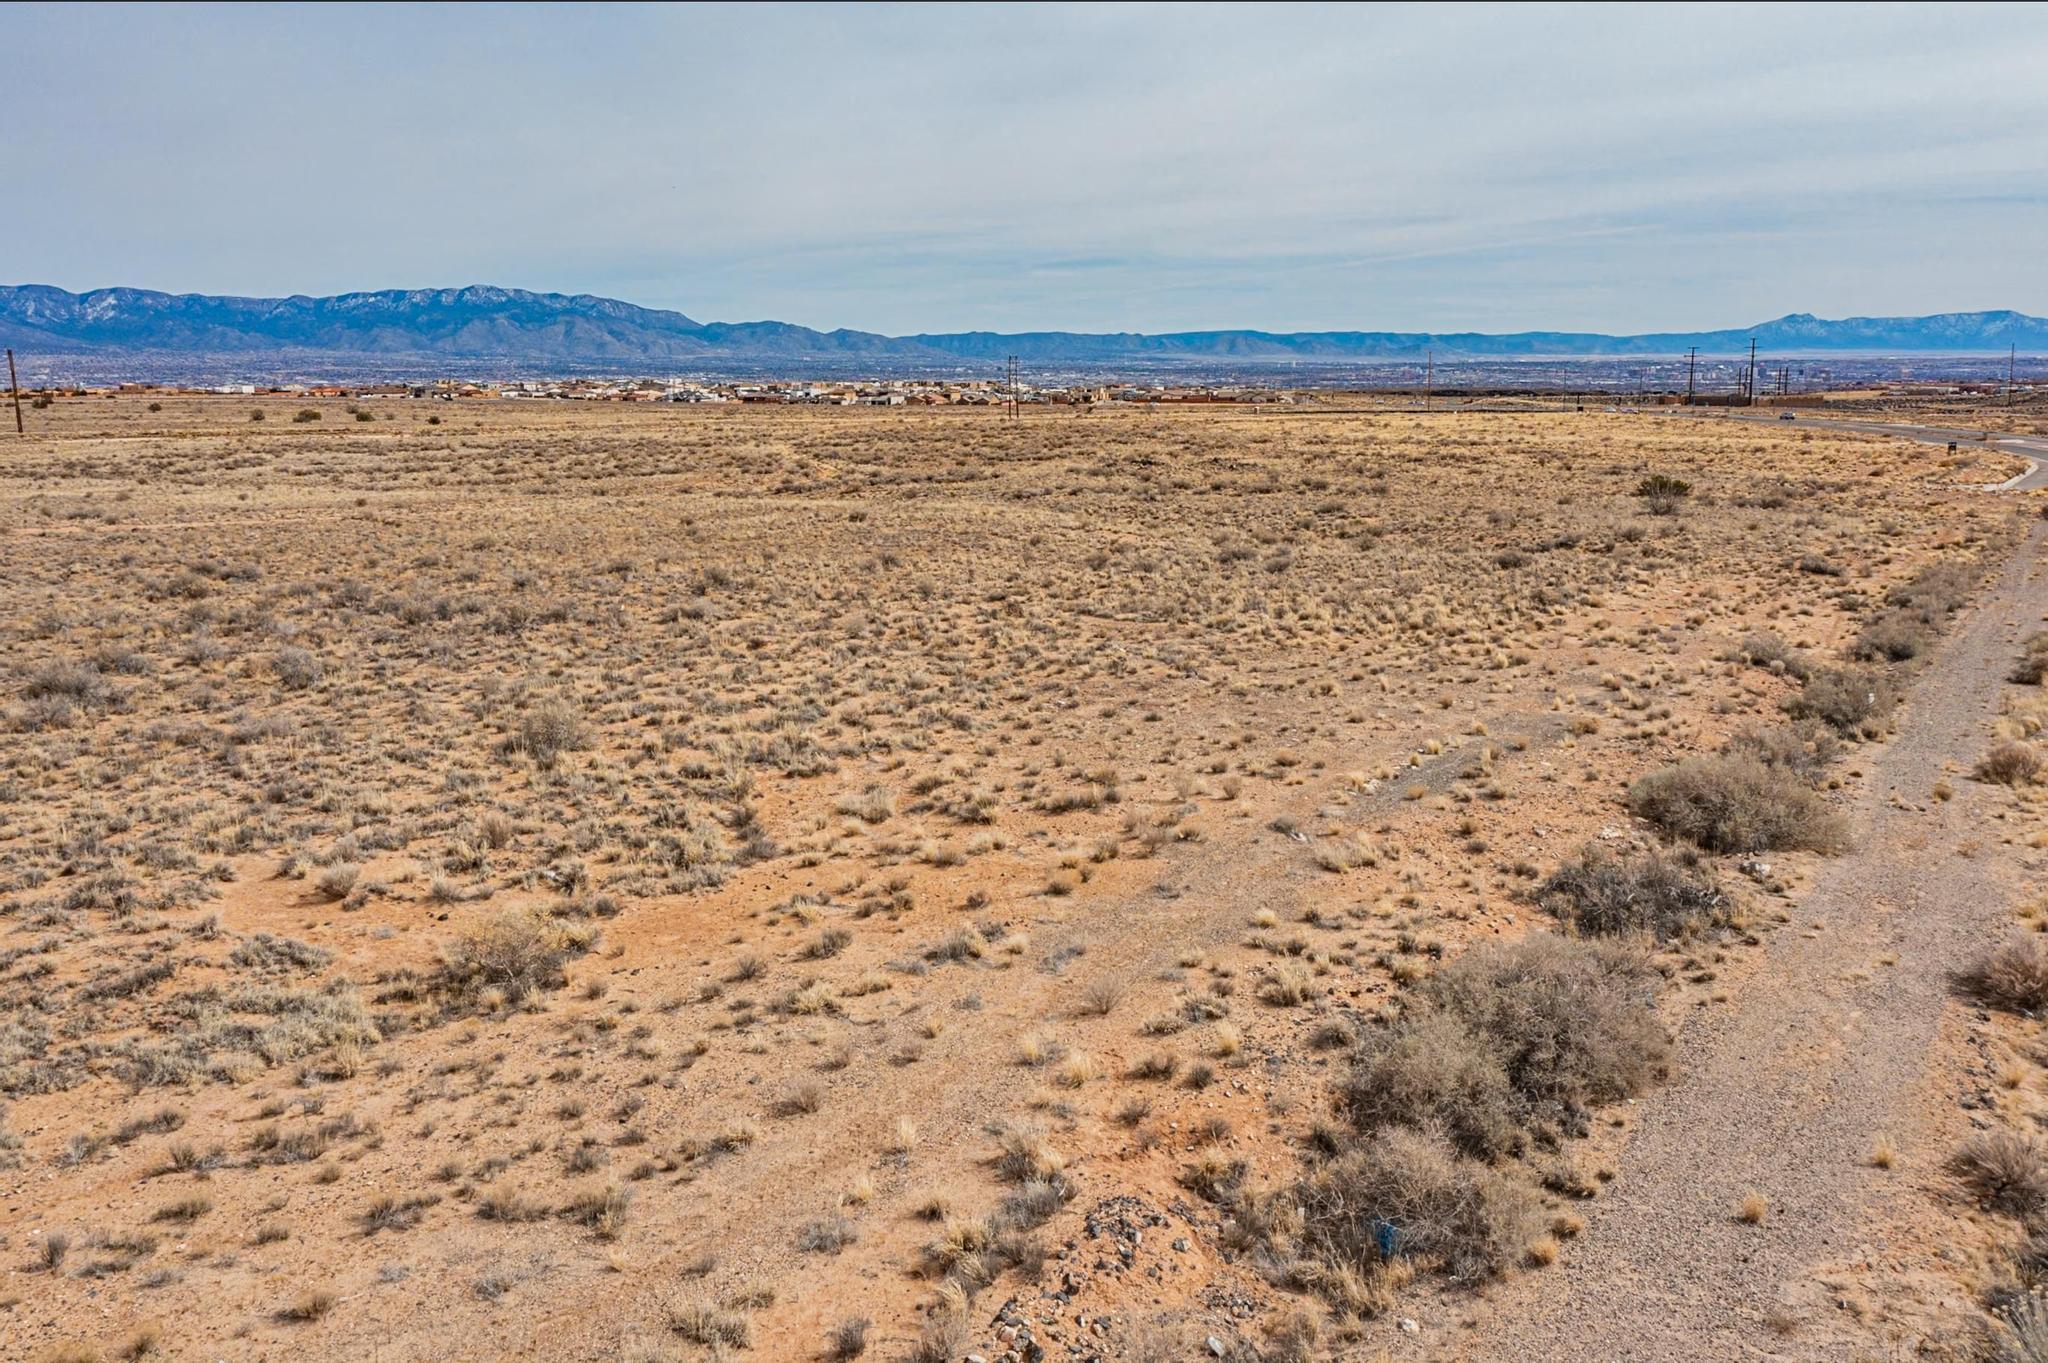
x=1409, y=1326
x=1215, y=1346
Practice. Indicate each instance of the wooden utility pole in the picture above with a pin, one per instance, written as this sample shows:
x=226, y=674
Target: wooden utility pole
x=15, y=386
x=1429, y=379
x=1692, y=361
x=2012, y=361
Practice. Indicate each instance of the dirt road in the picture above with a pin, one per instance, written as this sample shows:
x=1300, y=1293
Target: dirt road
x=1784, y=1091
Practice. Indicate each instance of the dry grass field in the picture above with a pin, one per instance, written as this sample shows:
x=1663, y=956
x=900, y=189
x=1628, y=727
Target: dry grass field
x=597, y=882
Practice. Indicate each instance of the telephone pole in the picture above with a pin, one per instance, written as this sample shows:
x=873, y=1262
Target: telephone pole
x=1016, y=412
x=15, y=385
x=1428, y=378
x=1749, y=377
x=1692, y=360
x=2012, y=361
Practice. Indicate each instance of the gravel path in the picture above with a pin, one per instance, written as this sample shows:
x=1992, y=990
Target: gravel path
x=1784, y=1090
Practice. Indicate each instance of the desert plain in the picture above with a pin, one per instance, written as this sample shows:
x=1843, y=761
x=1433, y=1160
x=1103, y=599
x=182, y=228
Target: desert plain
x=617, y=881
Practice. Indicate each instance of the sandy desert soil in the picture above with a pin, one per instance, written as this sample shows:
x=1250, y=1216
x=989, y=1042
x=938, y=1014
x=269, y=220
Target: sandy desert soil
x=599, y=882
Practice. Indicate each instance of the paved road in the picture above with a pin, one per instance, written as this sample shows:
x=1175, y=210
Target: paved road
x=2032, y=448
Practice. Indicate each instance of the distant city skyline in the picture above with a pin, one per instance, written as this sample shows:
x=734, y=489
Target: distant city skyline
x=925, y=169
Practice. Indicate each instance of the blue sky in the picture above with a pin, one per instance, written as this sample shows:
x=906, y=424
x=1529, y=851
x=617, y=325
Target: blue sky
x=1103, y=168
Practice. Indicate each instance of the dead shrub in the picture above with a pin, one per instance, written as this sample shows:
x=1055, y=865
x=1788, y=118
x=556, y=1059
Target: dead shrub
x=1770, y=651
x=1820, y=565
x=1510, y=1038
x=1288, y=985
x=390, y=1213
x=309, y=1306
x=1431, y=1069
x=2010, y=764
x=1893, y=636
x=848, y=1340
x=1856, y=702
x=2008, y=1172
x=338, y=880
x=296, y=668
x=495, y=830
x=872, y=805
x=509, y=1205
x=828, y=943
x=2033, y=663
x=548, y=730
x=826, y=1235
x=1608, y=896
x=1100, y=996
x=1734, y=803
x=711, y=1325
x=1411, y=1194
x=1032, y=1203
x=1296, y=1337
x=945, y=1332
x=1805, y=748
x=1570, y=1021
x=1663, y=494
x=2022, y=1327
x=515, y=952
x=1936, y=590
x=2013, y=975
x=603, y=1209
x=78, y=682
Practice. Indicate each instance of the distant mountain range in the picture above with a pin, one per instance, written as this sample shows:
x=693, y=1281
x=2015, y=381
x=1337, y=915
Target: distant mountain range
x=482, y=325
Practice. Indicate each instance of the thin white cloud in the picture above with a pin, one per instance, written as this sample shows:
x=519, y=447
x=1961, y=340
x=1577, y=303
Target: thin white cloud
x=1099, y=167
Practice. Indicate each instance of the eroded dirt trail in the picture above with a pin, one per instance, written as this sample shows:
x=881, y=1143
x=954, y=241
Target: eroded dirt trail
x=1785, y=1091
